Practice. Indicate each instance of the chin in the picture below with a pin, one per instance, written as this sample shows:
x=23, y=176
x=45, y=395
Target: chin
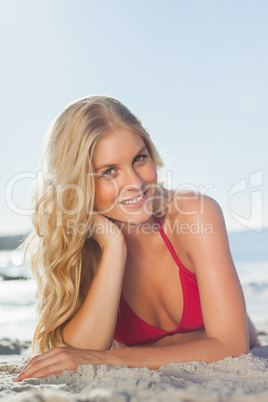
x=139, y=220
x=134, y=219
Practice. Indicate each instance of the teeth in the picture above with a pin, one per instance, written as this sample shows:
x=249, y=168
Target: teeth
x=133, y=201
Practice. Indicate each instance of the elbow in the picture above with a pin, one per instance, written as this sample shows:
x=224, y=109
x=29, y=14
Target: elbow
x=81, y=343
x=241, y=350
x=238, y=348
x=241, y=345
x=229, y=348
x=70, y=340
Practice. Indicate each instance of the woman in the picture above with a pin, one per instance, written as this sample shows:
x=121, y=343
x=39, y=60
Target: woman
x=123, y=278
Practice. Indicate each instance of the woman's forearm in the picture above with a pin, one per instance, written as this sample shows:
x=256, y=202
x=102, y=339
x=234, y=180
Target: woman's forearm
x=208, y=350
x=93, y=326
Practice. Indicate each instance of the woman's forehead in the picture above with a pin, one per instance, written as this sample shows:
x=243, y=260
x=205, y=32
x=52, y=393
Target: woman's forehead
x=116, y=144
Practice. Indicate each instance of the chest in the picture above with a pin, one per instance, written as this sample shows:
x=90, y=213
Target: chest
x=152, y=288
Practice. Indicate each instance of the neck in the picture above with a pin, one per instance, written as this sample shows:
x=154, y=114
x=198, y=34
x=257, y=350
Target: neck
x=139, y=236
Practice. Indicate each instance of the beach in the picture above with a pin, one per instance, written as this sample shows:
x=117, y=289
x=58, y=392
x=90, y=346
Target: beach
x=243, y=378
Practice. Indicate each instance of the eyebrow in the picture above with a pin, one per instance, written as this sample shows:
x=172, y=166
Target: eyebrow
x=111, y=165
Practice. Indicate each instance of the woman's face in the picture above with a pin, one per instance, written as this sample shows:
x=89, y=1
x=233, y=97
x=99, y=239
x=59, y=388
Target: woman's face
x=125, y=177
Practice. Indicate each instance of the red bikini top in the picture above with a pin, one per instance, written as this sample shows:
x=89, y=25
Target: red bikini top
x=132, y=331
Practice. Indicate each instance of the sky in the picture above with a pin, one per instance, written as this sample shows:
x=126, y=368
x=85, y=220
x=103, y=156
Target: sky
x=195, y=72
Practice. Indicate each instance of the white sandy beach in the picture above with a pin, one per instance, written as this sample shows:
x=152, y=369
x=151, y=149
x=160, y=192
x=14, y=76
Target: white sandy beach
x=233, y=379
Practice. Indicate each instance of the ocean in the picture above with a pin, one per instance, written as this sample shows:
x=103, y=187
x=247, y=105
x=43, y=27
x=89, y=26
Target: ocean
x=17, y=296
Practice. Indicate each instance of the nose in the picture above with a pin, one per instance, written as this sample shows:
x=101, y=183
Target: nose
x=132, y=181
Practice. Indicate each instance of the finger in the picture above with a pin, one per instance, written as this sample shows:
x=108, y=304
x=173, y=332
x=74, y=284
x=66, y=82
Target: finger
x=49, y=366
x=45, y=371
x=41, y=356
x=33, y=359
x=39, y=361
x=29, y=370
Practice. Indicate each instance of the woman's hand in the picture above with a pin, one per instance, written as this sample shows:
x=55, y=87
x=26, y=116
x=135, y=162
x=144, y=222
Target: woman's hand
x=105, y=232
x=56, y=360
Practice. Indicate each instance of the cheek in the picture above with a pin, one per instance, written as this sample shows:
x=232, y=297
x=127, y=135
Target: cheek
x=151, y=174
x=105, y=194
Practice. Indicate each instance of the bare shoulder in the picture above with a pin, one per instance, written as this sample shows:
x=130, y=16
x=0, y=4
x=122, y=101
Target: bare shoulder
x=199, y=222
x=188, y=207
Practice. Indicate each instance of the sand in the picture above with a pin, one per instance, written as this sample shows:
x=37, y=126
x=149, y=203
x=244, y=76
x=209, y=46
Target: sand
x=232, y=379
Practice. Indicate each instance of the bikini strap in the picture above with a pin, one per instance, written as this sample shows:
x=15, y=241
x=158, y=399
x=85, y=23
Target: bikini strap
x=171, y=249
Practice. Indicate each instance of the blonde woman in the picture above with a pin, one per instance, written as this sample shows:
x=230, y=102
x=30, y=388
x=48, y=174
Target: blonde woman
x=123, y=277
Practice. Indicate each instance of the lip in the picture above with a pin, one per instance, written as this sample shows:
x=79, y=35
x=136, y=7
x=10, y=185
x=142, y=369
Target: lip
x=137, y=204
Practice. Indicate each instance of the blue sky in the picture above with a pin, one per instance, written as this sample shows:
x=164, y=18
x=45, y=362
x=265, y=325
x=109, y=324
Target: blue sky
x=194, y=71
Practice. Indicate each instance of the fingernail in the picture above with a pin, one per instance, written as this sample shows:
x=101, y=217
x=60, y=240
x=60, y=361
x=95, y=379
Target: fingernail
x=16, y=379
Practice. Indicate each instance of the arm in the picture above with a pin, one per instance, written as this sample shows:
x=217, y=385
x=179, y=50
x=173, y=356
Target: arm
x=152, y=357
x=221, y=296
x=93, y=325
x=222, y=302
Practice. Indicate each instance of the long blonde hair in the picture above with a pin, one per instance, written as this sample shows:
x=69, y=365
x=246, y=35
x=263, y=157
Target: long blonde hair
x=62, y=258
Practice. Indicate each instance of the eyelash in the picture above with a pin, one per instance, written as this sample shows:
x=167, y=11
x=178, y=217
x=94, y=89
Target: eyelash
x=138, y=156
x=141, y=156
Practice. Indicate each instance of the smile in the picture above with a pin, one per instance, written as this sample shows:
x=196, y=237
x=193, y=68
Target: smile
x=135, y=200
